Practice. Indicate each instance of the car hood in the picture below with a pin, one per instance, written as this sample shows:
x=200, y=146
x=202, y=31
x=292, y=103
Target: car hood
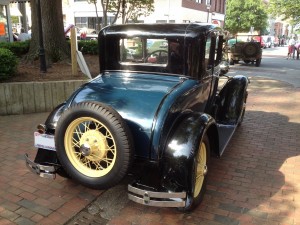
x=136, y=97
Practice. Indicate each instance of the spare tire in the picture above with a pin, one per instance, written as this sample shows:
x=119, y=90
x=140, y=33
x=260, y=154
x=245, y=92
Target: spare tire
x=93, y=145
x=251, y=49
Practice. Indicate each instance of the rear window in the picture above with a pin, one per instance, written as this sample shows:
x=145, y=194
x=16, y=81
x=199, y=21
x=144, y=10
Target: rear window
x=144, y=51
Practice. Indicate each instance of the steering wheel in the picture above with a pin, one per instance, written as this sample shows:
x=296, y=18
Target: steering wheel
x=158, y=56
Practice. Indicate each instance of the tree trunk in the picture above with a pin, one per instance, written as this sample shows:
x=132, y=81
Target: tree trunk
x=55, y=44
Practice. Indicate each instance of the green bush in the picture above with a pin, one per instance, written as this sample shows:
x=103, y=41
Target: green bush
x=8, y=63
x=88, y=47
x=18, y=48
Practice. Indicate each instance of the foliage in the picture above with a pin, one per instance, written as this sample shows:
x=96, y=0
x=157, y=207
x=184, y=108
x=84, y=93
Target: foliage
x=244, y=14
x=18, y=48
x=128, y=10
x=88, y=47
x=288, y=9
x=8, y=63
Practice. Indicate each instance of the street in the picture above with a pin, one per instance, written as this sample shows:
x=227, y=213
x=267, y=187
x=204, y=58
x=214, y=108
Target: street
x=274, y=66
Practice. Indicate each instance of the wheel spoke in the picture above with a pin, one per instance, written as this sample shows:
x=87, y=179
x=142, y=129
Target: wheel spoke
x=98, y=166
x=108, y=135
x=98, y=126
x=78, y=132
x=75, y=143
x=108, y=161
x=86, y=127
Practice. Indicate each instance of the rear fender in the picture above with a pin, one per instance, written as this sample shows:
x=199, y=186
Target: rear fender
x=53, y=117
x=47, y=157
x=231, y=100
x=180, y=149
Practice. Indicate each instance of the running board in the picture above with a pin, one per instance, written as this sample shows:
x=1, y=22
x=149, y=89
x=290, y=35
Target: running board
x=225, y=134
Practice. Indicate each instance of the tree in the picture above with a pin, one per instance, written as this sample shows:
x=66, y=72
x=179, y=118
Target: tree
x=55, y=44
x=243, y=14
x=288, y=9
x=127, y=9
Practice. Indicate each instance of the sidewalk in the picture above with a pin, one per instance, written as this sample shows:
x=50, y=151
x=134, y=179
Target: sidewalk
x=256, y=181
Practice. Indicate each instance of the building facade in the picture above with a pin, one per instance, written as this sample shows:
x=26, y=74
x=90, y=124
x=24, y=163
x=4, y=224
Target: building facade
x=83, y=14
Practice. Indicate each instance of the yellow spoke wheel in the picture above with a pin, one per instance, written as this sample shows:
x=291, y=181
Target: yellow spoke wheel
x=90, y=147
x=93, y=144
x=201, y=168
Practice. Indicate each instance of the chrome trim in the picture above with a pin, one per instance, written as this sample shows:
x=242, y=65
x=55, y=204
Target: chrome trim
x=168, y=199
x=41, y=170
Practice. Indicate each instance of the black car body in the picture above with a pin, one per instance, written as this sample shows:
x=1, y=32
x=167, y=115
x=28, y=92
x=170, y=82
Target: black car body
x=157, y=106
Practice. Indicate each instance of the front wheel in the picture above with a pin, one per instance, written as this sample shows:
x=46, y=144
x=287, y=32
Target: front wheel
x=93, y=145
x=243, y=109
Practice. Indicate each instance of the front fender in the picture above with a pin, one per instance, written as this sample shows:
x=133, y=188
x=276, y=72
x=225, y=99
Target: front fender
x=179, y=153
x=231, y=100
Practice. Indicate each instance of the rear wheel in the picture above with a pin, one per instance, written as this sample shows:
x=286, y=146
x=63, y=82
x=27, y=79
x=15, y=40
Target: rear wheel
x=93, y=145
x=199, y=179
x=258, y=62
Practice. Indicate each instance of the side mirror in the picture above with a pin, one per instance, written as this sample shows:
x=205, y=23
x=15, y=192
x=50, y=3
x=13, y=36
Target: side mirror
x=224, y=66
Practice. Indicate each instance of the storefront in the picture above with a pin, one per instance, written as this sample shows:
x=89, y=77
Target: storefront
x=5, y=23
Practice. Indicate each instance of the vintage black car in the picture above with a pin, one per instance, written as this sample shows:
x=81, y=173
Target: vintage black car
x=156, y=109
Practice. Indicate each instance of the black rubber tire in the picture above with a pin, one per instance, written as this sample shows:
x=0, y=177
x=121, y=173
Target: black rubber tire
x=194, y=201
x=98, y=165
x=247, y=61
x=241, y=119
x=231, y=62
x=258, y=62
x=251, y=49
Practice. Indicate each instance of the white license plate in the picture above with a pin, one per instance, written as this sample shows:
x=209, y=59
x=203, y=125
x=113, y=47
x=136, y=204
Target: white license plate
x=44, y=141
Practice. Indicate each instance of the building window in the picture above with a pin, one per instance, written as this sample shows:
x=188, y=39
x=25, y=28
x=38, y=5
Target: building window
x=81, y=22
x=80, y=0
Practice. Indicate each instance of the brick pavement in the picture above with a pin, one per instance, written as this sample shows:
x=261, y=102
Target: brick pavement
x=256, y=181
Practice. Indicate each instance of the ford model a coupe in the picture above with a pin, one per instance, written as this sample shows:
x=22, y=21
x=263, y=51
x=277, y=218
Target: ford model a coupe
x=157, y=106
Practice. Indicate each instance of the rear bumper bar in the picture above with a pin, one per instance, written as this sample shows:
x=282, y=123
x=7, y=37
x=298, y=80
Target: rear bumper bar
x=46, y=171
x=159, y=199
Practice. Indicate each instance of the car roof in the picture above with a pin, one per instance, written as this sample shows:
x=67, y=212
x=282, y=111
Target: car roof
x=166, y=30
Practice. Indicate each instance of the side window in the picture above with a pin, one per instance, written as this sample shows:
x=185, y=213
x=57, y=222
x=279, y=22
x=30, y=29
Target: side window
x=210, y=51
x=207, y=51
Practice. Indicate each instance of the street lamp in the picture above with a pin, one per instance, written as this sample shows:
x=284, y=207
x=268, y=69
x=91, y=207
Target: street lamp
x=43, y=67
x=208, y=9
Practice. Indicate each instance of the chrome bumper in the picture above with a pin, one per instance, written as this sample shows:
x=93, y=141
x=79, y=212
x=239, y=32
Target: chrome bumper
x=159, y=199
x=45, y=171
